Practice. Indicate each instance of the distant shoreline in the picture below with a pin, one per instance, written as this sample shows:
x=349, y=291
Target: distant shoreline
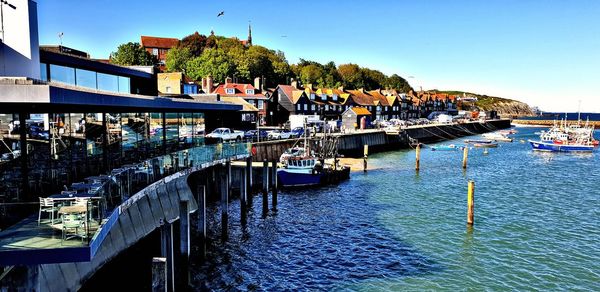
x=548, y=122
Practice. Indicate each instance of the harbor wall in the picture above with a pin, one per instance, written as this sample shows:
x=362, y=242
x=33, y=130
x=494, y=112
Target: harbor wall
x=351, y=144
x=550, y=123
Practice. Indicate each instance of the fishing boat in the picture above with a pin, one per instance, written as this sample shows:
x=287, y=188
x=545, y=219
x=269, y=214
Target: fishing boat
x=559, y=147
x=450, y=147
x=566, y=138
x=306, y=166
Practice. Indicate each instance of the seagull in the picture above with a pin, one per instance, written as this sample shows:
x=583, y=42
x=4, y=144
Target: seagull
x=221, y=13
x=284, y=36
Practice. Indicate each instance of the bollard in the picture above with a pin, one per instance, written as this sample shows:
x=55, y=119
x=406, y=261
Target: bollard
x=470, y=202
x=265, y=187
x=249, y=181
x=465, y=156
x=159, y=274
x=184, y=244
x=166, y=234
x=418, y=157
x=274, y=181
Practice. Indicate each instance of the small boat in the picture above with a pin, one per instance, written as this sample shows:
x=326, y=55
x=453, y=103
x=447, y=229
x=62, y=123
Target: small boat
x=300, y=171
x=485, y=145
x=478, y=141
x=450, y=147
x=555, y=147
x=497, y=137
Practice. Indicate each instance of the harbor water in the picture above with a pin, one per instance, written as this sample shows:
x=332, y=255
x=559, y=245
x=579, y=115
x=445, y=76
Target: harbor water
x=537, y=227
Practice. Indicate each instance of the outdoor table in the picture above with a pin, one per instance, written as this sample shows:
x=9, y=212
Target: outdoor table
x=73, y=197
x=86, y=187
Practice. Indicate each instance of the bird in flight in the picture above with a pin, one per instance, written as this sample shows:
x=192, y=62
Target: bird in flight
x=221, y=13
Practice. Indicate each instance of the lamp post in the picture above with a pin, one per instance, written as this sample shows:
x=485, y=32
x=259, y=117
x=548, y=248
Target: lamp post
x=2, y=3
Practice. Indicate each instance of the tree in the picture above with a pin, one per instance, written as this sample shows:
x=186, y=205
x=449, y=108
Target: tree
x=398, y=83
x=351, y=76
x=177, y=58
x=213, y=62
x=195, y=43
x=373, y=79
x=311, y=74
x=131, y=54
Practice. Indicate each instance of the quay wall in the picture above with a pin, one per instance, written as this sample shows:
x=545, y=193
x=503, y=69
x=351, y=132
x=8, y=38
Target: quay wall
x=351, y=144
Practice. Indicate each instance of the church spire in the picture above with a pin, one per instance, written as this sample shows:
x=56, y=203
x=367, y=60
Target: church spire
x=249, y=42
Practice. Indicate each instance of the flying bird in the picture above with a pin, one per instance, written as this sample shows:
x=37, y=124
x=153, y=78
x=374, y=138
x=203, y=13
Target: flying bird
x=221, y=13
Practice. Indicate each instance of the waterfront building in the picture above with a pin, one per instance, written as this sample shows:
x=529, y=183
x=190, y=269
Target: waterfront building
x=175, y=83
x=248, y=93
x=158, y=47
x=356, y=118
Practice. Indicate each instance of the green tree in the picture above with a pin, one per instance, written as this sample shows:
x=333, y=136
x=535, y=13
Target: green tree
x=177, y=58
x=195, y=43
x=398, y=83
x=351, y=76
x=373, y=79
x=311, y=74
x=213, y=62
x=131, y=54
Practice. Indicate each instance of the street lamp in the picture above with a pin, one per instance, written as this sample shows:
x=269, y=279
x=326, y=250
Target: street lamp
x=2, y=3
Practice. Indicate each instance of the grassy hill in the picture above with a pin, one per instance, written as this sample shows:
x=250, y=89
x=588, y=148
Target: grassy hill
x=503, y=106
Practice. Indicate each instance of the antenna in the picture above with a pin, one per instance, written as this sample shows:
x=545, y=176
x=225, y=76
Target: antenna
x=60, y=36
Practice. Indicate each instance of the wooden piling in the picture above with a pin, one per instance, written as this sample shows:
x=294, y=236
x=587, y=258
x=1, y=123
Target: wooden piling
x=265, y=187
x=243, y=196
x=274, y=183
x=470, y=202
x=159, y=274
x=166, y=235
x=365, y=157
x=184, y=245
x=465, y=156
x=418, y=157
x=249, y=181
x=224, y=182
x=202, y=219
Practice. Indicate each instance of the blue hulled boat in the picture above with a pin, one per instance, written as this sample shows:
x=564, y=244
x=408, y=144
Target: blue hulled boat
x=553, y=147
x=299, y=172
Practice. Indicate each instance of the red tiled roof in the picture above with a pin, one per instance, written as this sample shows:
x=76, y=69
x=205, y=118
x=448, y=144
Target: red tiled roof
x=240, y=90
x=362, y=98
x=288, y=91
x=156, y=42
x=361, y=111
x=376, y=94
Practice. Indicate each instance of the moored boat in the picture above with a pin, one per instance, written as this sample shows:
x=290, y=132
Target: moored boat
x=556, y=147
x=485, y=145
x=497, y=137
x=450, y=147
x=478, y=141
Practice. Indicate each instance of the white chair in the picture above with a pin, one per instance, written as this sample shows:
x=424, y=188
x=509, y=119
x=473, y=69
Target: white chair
x=47, y=206
x=73, y=224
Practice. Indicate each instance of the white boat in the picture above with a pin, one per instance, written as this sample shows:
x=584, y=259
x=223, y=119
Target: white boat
x=497, y=137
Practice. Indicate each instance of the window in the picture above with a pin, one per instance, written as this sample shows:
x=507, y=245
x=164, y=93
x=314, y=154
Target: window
x=62, y=74
x=305, y=107
x=334, y=97
x=155, y=52
x=298, y=106
x=385, y=108
x=250, y=91
x=313, y=107
x=43, y=72
x=230, y=90
x=108, y=82
x=312, y=96
x=85, y=78
x=323, y=96
x=261, y=104
x=124, y=85
x=326, y=107
x=168, y=89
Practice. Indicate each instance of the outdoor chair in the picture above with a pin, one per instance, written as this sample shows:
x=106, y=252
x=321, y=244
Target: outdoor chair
x=47, y=206
x=73, y=226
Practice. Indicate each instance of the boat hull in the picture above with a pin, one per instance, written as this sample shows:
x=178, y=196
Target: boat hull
x=294, y=179
x=551, y=147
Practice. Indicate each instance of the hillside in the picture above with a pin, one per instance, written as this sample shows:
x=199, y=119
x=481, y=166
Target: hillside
x=504, y=106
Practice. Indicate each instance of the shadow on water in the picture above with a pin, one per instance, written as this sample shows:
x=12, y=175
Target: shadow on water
x=318, y=239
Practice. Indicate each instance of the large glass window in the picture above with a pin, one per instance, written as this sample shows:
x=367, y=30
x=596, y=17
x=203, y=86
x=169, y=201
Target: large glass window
x=43, y=72
x=124, y=85
x=62, y=74
x=86, y=78
x=108, y=82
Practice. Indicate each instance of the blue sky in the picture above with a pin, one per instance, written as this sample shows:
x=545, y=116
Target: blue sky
x=545, y=53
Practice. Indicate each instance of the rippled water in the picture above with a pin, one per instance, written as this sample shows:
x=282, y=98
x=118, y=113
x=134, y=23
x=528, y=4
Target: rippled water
x=537, y=226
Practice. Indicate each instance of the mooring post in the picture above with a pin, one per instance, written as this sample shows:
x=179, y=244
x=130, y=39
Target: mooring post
x=465, y=156
x=224, y=204
x=159, y=274
x=229, y=176
x=249, y=181
x=365, y=157
x=184, y=243
x=274, y=181
x=202, y=219
x=166, y=245
x=470, y=202
x=243, y=196
x=265, y=187
x=418, y=157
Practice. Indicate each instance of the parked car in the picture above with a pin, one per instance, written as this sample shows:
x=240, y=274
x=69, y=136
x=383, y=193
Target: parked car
x=252, y=135
x=299, y=132
x=280, y=134
x=226, y=134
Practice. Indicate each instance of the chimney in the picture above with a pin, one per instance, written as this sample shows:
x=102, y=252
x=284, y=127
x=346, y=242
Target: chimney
x=341, y=88
x=258, y=83
x=227, y=80
x=207, y=84
x=294, y=84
